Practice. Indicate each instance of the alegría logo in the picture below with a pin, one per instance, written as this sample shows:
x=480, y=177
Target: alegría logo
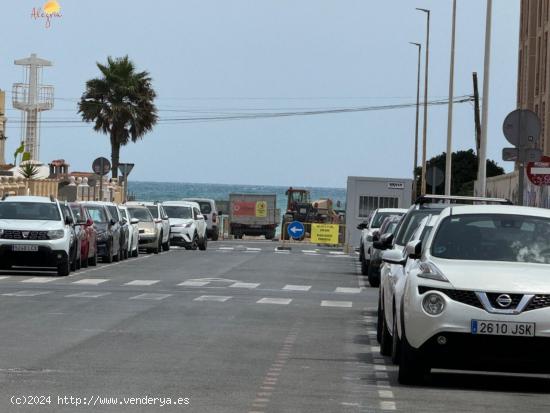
x=51, y=10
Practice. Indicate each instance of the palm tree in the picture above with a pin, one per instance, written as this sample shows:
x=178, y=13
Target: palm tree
x=120, y=103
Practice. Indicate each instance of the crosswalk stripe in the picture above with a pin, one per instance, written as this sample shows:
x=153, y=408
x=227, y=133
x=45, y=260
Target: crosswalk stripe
x=290, y=287
x=253, y=249
x=281, y=301
x=26, y=293
x=244, y=285
x=3, y=277
x=150, y=296
x=347, y=290
x=218, y=298
x=39, y=280
x=226, y=248
x=142, y=282
x=91, y=281
x=342, y=304
x=86, y=294
x=194, y=283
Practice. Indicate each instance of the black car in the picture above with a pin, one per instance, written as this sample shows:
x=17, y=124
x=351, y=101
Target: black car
x=108, y=232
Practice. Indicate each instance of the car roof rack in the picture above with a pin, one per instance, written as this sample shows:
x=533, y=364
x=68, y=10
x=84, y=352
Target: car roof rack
x=457, y=199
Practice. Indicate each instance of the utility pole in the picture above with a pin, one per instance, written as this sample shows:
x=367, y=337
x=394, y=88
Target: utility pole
x=482, y=156
x=417, y=116
x=449, y=157
x=425, y=130
x=477, y=122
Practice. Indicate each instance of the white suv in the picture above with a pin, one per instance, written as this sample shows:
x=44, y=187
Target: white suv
x=211, y=215
x=187, y=224
x=478, y=296
x=33, y=233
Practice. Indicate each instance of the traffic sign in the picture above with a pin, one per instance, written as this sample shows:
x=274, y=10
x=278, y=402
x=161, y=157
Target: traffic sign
x=125, y=168
x=434, y=177
x=522, y=127
x=325, y=233
x=296, y=230
x=101, y=166
x=530, y=154
x=539, y=172
x=510, y=154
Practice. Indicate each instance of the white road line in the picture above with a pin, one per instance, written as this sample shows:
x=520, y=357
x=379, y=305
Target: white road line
x=253, y=249
x=40, y=280
x=218, y=298
x=374, y=349
x=91, y=281
x=337, y=253
x=150, y=296
x=381, y=375
x=380, y=368
x=387, y=405
x=281, y=301
x=244, y=285
x=385, y=394
x=142, y=282
x=26, y=293
x=4, y=277
x=194, y=283
x=310, y=251
x=342, y=304
x=346, y=290
x=226, y=248
x=291, y=287
x=87, y=295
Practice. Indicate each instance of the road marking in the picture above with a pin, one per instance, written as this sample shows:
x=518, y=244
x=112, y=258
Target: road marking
x=310, y=251
x=150, y=296
x=291, y=287
x=91, y=281
x=380, y=368
x=194, y=283
x=40, y=280
x=387, y=405
x=244, y=285
x=26, y=293
x=381, y=375
x=337, y=253
x=87, y=295
x=218, y=298
x=281, y=301
x=383, y=384
x=347, y=290
x=142, y=282
x=342, y=304
x=253, y=249
x=3, y=277
x=385, y=394
x=226, y=248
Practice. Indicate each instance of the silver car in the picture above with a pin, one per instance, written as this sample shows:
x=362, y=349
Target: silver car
x=149, y=235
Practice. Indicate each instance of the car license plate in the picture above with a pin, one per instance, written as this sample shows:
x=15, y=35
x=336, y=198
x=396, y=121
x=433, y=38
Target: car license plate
x=25, y=248
x=503, y=328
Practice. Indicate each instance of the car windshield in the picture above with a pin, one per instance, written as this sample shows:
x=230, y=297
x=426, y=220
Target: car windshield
x=493, y=237
x=206, y=208
x=29, y=211
x=411, y=223
x=178, y=212
x=113, y=212
x=153, y=209
x=98, y=214
x=142, y=214
x=380, y=217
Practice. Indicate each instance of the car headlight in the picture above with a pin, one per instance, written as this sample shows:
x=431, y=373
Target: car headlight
x=431, y=272
x=56, y=234
x=433, y=304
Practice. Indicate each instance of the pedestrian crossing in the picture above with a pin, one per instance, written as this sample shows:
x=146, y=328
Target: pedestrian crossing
x=318, y=252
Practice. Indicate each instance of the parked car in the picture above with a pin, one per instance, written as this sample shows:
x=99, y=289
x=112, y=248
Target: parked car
x=88, y=245
x=79, y=234
x=149, y=233
x=108, y=231
x=478, y=297
x=368, y=228
x=35, y=233
x=386, y=230
x=124, y=230
x=211, y=215
x=133, y=231
x=161, y=219
x=187, y=224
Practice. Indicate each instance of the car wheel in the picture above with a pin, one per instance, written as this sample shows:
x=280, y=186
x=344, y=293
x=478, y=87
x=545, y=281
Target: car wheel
x=361, y=253
x=159, y=247
x=166, y=245
x=195, y=242
x=396, y=342
x=379, y=320
x=116, y=257
x=203, y=243
x=374, y=276
x=109, y=258
x=215, y=236
x=64, y=268
x=411, y=365
x=385, y=339
x=73, y=263
x=79, y=263
x=135, y=253
x=365, y=267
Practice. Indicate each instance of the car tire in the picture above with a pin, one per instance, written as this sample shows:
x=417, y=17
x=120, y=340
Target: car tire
x=396, y=342
x=379, y=320
x=374, y=276
x=365, y=267
x=361, y=253
x=166, y=245
x=203, y=243
x=109, y=258
x=73, y=263
x=195, y=242
x=116, y=257
x=159, y=247
x=135, y=253
x=215, y=236
x=64, y=268
x=412, y=369
x=385, y=338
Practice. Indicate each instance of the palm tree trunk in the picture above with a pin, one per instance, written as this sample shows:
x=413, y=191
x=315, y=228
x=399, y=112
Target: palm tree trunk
x=115, y=155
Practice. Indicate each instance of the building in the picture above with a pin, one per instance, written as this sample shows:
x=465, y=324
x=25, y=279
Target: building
x=364, y=195
x=533, y=70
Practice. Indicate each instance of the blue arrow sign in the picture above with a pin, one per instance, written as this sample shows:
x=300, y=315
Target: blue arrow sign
x=296, y=230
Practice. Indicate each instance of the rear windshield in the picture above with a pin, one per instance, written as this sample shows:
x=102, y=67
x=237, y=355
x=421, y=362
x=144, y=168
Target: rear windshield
x=411, y=222
x=154, y=210
x=98, y=214
x=142, y=214
x=29, y=211
x=205, y=206
x=178, y=212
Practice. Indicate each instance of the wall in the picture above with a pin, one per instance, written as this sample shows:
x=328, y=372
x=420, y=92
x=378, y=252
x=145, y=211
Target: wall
x=506, y=186
x=21, y=186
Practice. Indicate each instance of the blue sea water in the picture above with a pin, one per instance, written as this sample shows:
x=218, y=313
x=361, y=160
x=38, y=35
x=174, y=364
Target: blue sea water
x=169, y=191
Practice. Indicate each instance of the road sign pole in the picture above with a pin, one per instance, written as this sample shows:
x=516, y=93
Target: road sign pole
x=521, y=180
x=101, y=181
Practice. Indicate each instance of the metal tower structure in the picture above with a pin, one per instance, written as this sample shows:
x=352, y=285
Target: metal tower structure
x=31, y=97
x=2, y=127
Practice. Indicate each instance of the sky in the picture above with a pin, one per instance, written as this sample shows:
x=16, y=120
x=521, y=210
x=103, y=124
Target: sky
x=213, y=57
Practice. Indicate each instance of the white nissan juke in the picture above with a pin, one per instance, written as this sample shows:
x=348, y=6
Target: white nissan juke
x=478, y=295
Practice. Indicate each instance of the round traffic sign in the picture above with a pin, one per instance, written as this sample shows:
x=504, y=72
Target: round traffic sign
x=101, y=166
x=296, y=230
x=539, y=172
x=521, y=127
x=434, y=176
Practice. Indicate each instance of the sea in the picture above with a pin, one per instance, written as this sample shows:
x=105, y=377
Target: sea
x=171, y=191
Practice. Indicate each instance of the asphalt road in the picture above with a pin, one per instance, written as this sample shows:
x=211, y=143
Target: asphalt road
x=238, y=328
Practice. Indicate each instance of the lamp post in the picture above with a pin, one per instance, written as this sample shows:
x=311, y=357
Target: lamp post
x=419, y=46
x=449, y=156
x=425, y=130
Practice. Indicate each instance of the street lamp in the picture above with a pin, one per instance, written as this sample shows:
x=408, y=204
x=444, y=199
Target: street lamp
x=419, y=46
x=425, y=131
x=449, y=157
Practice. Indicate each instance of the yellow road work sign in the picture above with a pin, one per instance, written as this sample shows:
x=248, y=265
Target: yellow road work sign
x=324, y=233
x=261, y=209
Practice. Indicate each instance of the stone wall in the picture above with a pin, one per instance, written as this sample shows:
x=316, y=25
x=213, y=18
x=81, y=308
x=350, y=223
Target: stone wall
x=20, y=186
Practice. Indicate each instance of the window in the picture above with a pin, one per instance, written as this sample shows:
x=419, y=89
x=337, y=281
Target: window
x=142, y=214
x=29, y=210
x=367, y=204
x=98, y=214
x=153, y=209
x=178, y=212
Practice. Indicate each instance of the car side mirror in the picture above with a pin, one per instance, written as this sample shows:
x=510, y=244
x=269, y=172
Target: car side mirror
x=68, y=220
x=376, y=236
x=394, y=257
x=124, y=221
x=220, y=212
x=200, y=217
x=134, y=221
x=112, y=222
x=165, y=218
x=362, y=226
x=414, y=249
